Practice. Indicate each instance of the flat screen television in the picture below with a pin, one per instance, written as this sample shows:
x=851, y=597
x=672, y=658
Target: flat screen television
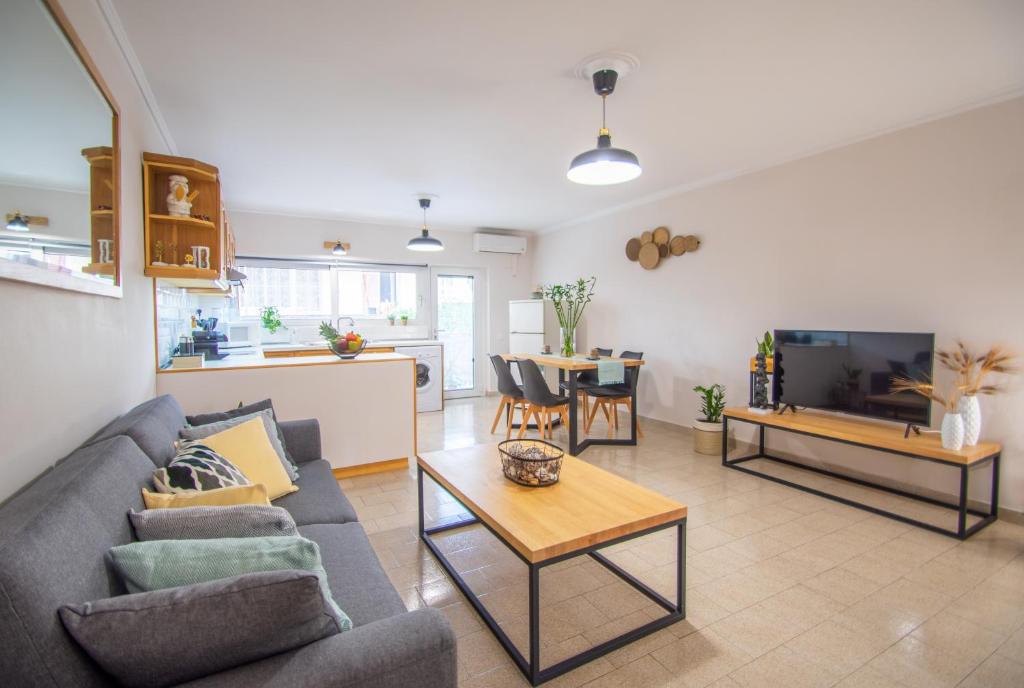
x=851, y=372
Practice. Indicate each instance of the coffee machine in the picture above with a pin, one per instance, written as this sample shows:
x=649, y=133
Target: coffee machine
x=207, y=339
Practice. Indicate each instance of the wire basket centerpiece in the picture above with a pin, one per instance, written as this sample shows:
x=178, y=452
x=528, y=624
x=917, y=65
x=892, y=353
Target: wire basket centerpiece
x=533, y=463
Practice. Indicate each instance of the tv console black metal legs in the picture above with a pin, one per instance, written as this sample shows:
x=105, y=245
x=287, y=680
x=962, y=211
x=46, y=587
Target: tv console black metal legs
x=531, y=667
x=962, y=531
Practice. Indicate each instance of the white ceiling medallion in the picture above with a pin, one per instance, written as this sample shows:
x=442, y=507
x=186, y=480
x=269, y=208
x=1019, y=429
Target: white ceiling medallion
x=605, y=165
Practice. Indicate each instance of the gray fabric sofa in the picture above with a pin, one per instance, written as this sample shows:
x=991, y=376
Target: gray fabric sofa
x=53, y=536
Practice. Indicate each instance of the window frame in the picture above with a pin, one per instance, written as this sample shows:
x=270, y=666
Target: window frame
x=422, y=274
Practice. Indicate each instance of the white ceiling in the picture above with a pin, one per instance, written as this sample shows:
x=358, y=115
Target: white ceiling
x=346, y=108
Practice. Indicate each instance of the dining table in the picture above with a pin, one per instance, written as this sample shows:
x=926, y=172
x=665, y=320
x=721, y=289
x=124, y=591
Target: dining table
x=569, y=369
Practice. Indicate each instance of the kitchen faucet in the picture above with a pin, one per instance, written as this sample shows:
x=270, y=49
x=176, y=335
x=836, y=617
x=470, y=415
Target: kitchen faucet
x=351, y=322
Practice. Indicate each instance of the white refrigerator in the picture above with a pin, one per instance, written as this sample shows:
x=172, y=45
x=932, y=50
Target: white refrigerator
x=532, y=324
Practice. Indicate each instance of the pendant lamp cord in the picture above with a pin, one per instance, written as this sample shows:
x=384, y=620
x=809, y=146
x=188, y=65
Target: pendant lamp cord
x=604, y=101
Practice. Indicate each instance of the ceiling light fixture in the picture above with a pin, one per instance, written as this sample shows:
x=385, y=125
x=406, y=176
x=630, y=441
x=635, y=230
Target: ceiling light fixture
x=17, y=222
x=605, y=165
x=425, y=242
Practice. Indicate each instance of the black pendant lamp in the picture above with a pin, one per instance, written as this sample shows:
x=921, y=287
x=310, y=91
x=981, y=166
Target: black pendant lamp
x=17, y=222
x=604, y=165
x=425, y=242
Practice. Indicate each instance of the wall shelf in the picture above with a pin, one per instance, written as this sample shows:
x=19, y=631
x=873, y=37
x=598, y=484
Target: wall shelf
x=178, y=235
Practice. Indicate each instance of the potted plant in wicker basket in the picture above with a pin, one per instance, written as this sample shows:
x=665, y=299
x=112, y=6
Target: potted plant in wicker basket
x=707, y=429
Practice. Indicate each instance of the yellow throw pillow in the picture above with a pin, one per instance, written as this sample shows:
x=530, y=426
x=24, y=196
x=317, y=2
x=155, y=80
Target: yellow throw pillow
x=248, y=447
x=223, y=496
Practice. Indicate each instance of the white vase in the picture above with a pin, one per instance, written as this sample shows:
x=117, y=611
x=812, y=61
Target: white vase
x=952, y=431
x=970, y=410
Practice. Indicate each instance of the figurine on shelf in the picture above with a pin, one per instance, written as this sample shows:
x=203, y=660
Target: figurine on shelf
x=106, y=250
x=202, y=254
x=189, y=261
x=158, y=253
x=179, y=202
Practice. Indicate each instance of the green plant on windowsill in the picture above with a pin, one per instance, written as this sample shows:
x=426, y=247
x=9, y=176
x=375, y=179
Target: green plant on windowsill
x=404, y=317
x=391, y=317
x=271, y=319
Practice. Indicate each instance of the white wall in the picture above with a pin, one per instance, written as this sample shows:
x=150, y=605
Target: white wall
x=919, y=230
x=71, y=362
x=277, y=236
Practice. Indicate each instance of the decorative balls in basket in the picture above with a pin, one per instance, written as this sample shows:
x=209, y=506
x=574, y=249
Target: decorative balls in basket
x=533, y=463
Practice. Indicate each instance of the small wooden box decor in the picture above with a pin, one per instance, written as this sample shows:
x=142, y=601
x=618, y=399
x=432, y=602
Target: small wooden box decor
x=650, y=248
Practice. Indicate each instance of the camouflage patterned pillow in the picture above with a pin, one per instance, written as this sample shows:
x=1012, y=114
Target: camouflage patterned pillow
x=197, y=467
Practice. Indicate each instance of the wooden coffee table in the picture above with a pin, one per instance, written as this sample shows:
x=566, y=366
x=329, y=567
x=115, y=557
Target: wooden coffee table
x=588, y=509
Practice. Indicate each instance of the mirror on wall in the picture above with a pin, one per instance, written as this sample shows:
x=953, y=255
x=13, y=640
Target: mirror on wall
x=58, y=155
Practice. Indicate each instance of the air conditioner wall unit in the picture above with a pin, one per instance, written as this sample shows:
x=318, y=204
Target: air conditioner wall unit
x=499, y=243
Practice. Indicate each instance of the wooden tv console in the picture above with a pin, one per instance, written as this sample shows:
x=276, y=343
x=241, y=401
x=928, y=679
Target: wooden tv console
x=881, y=437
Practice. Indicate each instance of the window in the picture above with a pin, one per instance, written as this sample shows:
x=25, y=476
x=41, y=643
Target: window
x=297, y=292
x=375, y=294
x=324, y=292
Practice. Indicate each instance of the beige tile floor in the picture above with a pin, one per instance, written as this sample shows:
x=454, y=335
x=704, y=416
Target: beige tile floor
x=784, y=589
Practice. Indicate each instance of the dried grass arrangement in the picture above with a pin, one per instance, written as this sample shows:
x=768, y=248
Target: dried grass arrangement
x=970, y=371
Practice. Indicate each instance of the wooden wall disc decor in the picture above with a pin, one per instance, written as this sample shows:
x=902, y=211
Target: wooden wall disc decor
x=649, y=256
x=677, y=246
x=692, y=243
x=646, y=237
x=661, y=236
x=633, y=248
x=662, y=249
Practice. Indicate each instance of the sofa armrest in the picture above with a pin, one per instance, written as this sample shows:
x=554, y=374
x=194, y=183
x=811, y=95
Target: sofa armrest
x=302, y=438
x=413, y=649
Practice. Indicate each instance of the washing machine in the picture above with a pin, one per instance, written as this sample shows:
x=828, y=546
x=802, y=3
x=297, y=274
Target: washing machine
x=429, y=383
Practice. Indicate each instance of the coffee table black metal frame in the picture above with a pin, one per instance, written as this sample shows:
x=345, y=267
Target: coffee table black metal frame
x=531, y=666
x=962, y=531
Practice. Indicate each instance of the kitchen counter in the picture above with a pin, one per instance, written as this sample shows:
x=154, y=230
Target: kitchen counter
x=366, y=406
x=257, y=360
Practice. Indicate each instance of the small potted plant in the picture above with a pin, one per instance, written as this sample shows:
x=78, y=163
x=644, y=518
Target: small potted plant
x=707, y=428
x=391, y=318
x=404, y=317
x=270, y=319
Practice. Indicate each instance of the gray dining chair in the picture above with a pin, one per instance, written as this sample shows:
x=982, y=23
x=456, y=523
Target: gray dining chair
x=511, y=395
x=607, y=398
x=541, y=401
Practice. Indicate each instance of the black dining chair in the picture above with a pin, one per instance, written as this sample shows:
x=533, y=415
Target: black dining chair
x=608, y=397
x=541, y=401
x=588, y=378
x=511, y=394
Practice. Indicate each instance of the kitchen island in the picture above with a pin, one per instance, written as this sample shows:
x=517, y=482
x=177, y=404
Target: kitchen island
x=366, y=406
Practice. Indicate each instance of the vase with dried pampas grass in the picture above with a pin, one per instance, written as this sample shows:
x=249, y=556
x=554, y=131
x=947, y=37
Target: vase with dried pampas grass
x=971, y=374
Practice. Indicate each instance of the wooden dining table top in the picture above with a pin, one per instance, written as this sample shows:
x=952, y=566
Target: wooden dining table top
x=557, y=361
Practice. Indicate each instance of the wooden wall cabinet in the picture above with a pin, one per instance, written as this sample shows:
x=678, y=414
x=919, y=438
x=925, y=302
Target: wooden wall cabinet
x=177, y=235
x=101, y=210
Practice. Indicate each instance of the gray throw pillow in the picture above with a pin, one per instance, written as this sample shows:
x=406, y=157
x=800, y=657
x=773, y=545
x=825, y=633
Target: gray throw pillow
x=205, y=522
x=198, y=432
x=167, y=637
x=265, y=404
x=197, y=467
x=161, y=564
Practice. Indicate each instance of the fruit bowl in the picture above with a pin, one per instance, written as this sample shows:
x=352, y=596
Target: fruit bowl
x=339, y=347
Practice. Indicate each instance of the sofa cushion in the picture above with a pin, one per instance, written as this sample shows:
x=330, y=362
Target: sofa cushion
x=154, y=426
x=358, y=582
x=161, y=564
x=274, y=434
x=319, y=499
x=223, y=496
x=255, y=407
x=197, y=467
x=52, y=540
x=189, y=632
x=203, y=522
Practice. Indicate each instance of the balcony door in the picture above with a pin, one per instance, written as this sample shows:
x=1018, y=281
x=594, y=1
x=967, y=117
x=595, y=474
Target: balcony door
x=459, y=325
